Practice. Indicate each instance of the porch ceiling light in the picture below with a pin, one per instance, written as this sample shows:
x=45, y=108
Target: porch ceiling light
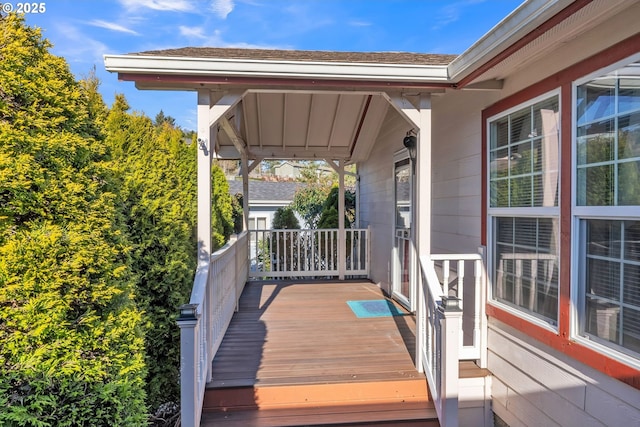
x=411, y=144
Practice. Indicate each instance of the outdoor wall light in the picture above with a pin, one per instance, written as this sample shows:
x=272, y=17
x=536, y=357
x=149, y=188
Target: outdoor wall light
x=411, y=144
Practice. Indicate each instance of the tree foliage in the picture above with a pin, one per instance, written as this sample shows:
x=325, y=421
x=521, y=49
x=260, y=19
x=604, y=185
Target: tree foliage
x=329, y=214
x=70, y=336
x=97, y=245
x=159, y=183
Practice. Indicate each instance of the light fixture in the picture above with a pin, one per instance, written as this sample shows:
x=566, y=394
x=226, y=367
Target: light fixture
x=411, y=144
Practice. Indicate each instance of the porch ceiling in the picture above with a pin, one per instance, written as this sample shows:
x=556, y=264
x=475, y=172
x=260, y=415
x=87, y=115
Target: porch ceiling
x=302, y=125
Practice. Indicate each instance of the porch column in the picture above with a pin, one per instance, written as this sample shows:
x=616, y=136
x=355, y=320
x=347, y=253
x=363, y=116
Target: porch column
x=416, y=109
x=244, y=166
x=204, y=176
x=342, y=237
x=423, y=207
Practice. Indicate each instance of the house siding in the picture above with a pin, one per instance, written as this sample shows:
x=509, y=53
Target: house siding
x=377, y=206
x=535, y=385
x=456, y=171
x=542, y=377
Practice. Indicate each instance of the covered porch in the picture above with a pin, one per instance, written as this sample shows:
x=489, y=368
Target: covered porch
x=372, y=110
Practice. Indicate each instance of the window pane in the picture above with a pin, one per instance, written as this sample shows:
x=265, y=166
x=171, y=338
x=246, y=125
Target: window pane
x=632, y=284
x=262, y=223
x=631, y=329
x=500, y=193
x=632, y=241
x=545, y=118
x=521, y=189
x=596, y=100
x=499, y=163
x=603, y=278
x=602, y=319
x=629, y=136
x=603, y=238
x=500, y=133
x=629, y=184
x=595, y=186
x=596, y=142
x=526, y=265
x=629, y=92
x=520, y=126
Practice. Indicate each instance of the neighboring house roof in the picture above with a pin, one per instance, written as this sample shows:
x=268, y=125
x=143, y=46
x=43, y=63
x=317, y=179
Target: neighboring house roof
x=267, y=191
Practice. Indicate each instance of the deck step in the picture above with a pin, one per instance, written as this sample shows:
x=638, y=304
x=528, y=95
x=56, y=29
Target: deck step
x=397, y=414
x=349, y=403
x=326, y=394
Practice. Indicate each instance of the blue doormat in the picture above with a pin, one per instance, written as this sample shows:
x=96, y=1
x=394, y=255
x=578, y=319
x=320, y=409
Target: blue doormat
x=374, y=308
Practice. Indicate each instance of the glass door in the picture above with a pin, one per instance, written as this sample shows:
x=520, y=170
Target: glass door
x=403, y=253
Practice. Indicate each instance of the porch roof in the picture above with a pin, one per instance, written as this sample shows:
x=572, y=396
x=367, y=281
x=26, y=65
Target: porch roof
x=298, y=104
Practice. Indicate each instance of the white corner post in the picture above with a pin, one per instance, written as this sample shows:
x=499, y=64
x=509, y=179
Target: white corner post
x=245, y=192
x=451, y=324
x=342, y=235
x=204, y=176
x=338, y=166
x=416, y=109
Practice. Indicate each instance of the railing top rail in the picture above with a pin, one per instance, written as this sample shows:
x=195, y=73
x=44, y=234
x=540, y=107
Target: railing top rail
x=199, y=286
x=304, y=229
x=461, y=257
x=432, y=282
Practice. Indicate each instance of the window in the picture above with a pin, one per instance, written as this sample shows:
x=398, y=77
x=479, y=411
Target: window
x=523, y=210
x=607, y=201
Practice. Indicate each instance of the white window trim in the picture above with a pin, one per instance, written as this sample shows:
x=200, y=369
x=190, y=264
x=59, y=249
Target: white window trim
x=579, y=213
x=534, y=212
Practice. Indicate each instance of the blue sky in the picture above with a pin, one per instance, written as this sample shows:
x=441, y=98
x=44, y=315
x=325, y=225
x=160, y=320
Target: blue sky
x=82, y=31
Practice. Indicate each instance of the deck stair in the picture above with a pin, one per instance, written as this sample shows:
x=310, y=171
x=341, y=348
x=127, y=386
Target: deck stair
x=295, y=354
x=355, y=403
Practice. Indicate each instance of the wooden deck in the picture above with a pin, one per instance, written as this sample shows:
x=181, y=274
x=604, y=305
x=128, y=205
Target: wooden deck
x=297, y=352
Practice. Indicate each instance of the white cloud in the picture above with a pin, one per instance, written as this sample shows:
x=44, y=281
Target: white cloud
x=112, y=26
x=451, y=13
x=89, y=51
x=193, y=32
x=162, y=5
x=222, y=8
x=360, y=23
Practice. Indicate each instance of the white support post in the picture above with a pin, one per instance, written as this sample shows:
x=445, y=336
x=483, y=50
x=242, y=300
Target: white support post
x=342, y=241
x=245, y=192
x=417, y=111
x=204, y=176
x=189, y=359
x=450, y=360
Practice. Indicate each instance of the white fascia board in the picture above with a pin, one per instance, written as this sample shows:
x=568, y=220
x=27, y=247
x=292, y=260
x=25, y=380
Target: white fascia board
x=527, y=17
x=138, y=64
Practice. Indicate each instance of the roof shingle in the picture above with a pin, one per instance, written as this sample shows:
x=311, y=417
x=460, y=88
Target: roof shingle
x=305, y=55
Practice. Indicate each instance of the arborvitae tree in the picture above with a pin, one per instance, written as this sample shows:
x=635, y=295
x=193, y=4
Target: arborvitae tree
x=329, y=216
x=70, y=337
x=158, y=169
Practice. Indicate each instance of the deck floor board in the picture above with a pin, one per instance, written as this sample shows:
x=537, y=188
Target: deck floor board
x=305, y=333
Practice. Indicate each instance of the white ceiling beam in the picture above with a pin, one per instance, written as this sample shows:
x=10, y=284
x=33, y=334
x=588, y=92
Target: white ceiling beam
x=224, y=103
x=333, y=122
x=234, y=136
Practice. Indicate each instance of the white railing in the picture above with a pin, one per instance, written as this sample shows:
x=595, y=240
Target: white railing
x=440, y=317
x=203, y=322
x=307, y=253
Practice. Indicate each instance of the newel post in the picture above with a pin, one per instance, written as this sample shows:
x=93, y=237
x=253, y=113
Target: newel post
x=451, y=319
x=189, y=360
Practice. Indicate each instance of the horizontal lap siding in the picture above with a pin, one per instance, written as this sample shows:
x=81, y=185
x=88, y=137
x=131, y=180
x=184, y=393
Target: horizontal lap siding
x=456, y=171
x=533, y=385
x=377, y=198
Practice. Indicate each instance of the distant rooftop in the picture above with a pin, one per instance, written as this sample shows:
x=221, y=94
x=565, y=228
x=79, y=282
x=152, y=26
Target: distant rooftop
x=267, y=190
